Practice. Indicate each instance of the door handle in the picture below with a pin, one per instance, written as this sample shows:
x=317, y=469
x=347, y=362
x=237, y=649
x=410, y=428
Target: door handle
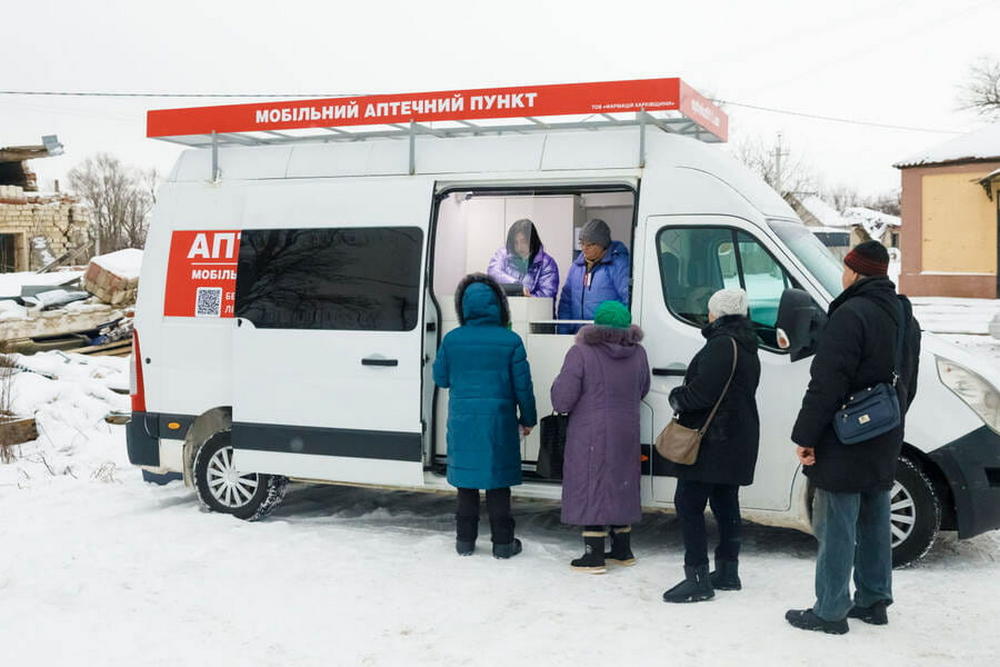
x=673, y=371
x=369, y=361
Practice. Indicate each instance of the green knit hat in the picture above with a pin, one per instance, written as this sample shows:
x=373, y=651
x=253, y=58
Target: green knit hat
x=613, y=314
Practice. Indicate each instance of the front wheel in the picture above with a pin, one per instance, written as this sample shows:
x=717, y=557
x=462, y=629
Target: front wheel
x=915, y=513
x=222, y=488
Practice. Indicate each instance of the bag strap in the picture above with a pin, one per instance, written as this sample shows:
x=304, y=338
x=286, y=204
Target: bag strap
x=902, y=325
x=725, y=390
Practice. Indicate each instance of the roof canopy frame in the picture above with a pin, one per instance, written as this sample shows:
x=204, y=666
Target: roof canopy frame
x=669, y=104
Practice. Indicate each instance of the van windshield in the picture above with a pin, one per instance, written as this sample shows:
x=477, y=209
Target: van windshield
x=811, y=251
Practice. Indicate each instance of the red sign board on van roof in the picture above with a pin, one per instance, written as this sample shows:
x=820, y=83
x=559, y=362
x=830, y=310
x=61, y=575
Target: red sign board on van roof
x=450, y=105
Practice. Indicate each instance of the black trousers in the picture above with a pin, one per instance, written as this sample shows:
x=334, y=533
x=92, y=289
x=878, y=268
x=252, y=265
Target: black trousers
x=498, y=506
x=690, y=500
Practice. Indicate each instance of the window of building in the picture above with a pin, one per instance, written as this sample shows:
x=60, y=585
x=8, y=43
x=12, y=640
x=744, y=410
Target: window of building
x=341, y=278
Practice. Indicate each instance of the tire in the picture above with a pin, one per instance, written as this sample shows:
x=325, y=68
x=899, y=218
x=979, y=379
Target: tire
x=220, y=488
x=915, y=514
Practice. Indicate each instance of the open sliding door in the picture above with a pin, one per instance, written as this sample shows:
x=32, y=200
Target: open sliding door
x=328, y=335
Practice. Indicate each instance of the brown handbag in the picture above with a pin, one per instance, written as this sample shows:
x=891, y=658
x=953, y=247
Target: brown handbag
x=681, y=444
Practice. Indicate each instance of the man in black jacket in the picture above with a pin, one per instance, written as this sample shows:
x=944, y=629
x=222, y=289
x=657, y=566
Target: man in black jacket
x=853, y=482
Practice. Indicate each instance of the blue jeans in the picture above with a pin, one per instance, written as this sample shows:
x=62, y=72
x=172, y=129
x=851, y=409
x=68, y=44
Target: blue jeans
x=854, y=532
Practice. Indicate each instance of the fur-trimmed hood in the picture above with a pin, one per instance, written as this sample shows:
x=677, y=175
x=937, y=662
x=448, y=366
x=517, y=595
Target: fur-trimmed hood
x=477, y=308
x=615, y=341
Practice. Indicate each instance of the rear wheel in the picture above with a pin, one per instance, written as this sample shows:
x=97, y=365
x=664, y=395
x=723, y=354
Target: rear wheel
x=223, y=488
x=915, y=513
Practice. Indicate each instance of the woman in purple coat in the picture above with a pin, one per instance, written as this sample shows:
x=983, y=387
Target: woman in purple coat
x=602, y=381
x=524, y=261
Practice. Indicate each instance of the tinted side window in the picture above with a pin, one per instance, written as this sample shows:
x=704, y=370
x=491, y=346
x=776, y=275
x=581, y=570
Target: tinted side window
x=696, y=262
x=764, y=280
x=343, y=278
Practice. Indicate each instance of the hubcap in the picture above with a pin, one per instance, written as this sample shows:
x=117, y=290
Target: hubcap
x=227, y=485
x=903, y=513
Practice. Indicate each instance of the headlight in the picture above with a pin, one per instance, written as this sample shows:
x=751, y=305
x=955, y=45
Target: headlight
x=977, y=393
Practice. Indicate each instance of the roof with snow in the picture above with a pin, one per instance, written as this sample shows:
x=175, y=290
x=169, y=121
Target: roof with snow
x=859, y=215
x=824, y=212
x=980, y=145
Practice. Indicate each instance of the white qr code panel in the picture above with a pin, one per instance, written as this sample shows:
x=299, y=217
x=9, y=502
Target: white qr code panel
x=208, y=302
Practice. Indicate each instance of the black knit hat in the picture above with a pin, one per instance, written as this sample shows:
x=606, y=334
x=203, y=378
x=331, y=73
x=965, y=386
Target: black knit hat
x=869, y=259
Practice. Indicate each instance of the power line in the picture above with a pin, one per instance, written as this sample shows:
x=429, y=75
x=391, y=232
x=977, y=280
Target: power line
x=834, y=119
x=787, y=112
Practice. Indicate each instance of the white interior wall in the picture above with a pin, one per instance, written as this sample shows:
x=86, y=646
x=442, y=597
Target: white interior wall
x=450, y=245
x=471, y=229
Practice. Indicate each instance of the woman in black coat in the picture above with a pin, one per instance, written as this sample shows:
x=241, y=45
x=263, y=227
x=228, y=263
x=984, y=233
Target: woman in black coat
x=728, y=453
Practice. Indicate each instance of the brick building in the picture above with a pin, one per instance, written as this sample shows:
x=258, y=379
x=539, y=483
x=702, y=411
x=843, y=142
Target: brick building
x=35, y=228
x=951, y=215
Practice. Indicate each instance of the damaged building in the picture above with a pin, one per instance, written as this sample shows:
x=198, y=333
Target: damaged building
x=36, y=229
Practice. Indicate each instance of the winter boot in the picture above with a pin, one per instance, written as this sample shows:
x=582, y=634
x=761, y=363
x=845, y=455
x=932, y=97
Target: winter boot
x=507, y=550
x=592, y=560
x=464, y=547
x=805, y=619
x=696, y=587
x=621, y=547
x=726, y=576
x=873, y=615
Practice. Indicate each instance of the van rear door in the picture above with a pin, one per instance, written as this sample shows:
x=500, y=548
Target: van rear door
x=328, y=333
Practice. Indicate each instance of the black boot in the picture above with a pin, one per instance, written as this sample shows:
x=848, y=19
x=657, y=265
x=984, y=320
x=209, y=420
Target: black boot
x=621, y=546
x=507, y=550
x=592, y=560
x=805, y=619
x=873, y=615
x=696, y=586
x=726, y=576
x=464, y=547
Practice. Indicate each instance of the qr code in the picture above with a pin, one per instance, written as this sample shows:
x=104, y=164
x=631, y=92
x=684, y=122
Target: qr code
x=208, y=302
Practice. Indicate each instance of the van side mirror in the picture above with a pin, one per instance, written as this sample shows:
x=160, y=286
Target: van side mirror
x=800, y=322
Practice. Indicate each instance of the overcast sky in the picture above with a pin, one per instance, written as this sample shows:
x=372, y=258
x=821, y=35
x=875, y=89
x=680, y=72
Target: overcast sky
x=889, y=61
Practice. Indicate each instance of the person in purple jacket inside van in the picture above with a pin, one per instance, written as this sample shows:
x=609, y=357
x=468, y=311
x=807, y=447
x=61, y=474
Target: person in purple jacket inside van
x=524, y=261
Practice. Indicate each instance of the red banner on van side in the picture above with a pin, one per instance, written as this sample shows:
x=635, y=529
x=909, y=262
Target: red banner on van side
x=518, y=102
x=201, y=274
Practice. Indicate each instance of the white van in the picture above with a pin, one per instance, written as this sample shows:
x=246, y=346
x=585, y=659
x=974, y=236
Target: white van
x=294, y=292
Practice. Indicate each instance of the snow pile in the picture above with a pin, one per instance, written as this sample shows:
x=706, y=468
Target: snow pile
x=69, y=395
x=955, y=316
x=123, y=263
x=824, y=212
x=11, y=283
x=982, y=144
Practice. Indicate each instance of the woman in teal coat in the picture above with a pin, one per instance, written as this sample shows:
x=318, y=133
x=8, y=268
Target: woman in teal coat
x=485, y=367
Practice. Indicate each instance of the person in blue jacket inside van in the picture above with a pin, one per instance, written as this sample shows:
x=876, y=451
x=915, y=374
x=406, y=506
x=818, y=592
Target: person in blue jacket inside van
x=599, y=273
x=484, y=365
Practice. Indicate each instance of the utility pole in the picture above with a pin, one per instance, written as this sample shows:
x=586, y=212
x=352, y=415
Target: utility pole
x=778, y=154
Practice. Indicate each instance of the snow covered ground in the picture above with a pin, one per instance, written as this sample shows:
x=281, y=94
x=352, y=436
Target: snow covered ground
x=99, y=568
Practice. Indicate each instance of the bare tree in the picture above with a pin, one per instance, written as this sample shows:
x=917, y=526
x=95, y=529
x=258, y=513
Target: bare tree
x=843, y=196
x=981, y=90
x=119, y=197
x=773, y=163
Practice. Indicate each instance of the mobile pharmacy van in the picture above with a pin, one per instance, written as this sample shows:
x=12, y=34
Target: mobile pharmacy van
x=302, y=259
